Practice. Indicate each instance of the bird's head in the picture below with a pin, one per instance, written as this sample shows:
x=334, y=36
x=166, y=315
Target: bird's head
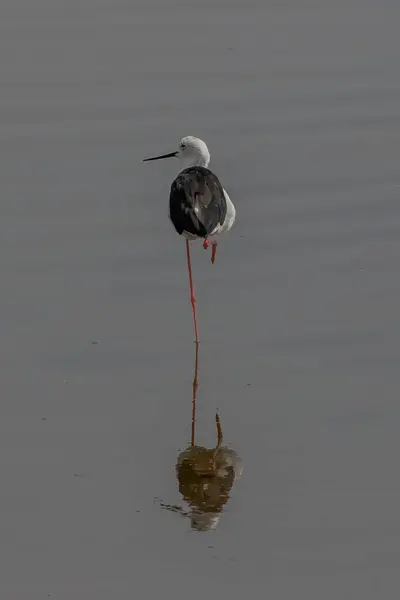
x=192, y=151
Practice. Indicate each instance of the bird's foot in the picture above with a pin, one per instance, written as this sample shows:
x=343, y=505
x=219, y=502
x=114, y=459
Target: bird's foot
x=214, y=252
x=206, y=245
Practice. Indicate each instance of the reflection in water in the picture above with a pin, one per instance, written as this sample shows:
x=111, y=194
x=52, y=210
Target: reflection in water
x=205, y=475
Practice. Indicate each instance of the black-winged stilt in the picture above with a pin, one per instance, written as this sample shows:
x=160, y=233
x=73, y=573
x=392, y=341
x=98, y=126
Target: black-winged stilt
x=199, y=207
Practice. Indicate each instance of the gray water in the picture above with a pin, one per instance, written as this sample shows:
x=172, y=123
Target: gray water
x=299, y=324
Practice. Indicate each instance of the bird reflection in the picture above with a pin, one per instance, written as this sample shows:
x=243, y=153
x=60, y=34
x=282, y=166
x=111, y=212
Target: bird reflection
x=205, y=475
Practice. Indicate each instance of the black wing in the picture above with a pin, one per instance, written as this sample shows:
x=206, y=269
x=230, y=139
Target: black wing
x=197, y=202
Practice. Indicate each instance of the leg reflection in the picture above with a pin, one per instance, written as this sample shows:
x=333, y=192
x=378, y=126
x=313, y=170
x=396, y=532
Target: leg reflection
x=205, y=475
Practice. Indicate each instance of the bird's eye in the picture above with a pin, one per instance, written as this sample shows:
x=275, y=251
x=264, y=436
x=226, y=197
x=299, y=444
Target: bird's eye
x=183, y=146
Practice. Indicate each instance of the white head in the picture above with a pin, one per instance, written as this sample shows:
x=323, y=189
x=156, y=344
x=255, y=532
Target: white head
x=191, y=151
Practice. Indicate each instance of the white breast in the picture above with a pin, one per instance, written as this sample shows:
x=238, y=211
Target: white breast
x=229, y=217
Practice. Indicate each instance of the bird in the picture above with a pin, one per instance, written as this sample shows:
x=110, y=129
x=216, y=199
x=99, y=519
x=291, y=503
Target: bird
x=199, y=207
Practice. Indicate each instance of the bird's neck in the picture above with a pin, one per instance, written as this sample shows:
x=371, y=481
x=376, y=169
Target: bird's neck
x=194, y=161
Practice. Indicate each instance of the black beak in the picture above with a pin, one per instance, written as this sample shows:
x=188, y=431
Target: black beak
x=170, y=155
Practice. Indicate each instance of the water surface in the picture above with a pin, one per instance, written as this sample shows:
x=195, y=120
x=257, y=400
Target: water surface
x=299, y=317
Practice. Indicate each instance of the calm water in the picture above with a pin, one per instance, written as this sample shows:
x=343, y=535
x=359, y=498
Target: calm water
x=299, y=317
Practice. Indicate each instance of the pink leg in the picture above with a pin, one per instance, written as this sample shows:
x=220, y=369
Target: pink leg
x=206, y=244
x=213, y=252
x=192, y=296
x=195, y=386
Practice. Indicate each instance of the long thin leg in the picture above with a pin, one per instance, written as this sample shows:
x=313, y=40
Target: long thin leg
x=206, y=244
x=192, y=296
x=219, y=441
x=194, y=397
x=220, y=437
x=213, y=251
